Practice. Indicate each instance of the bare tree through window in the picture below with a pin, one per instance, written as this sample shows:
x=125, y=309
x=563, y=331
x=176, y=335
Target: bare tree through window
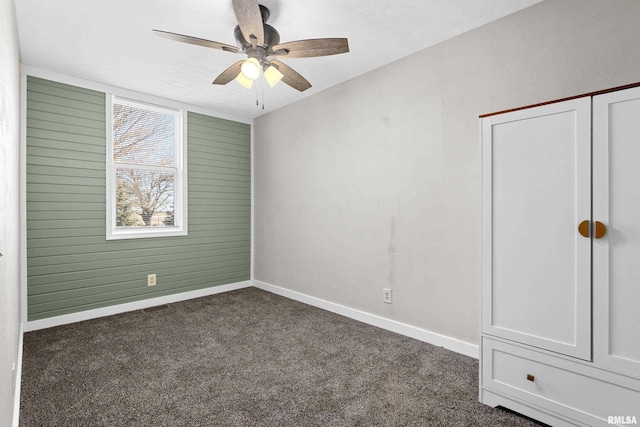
x=144, y=154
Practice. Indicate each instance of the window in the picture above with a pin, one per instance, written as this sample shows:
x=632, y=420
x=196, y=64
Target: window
x=146, y=178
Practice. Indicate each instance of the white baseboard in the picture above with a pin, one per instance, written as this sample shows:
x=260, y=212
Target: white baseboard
x=16, y=391
x=449, y=343
x=131, y=306
x=436, y=339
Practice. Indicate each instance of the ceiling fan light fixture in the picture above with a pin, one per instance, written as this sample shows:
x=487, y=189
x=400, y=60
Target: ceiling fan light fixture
x=261, y=43
x=244, y=81
x=250, y=69
x=272, y=75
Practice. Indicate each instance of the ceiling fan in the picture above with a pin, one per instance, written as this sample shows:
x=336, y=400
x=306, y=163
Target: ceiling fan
x=261, y=43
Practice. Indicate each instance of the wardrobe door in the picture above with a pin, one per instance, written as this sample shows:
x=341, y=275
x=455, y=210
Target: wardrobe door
x=536, y=191
x=616, y=204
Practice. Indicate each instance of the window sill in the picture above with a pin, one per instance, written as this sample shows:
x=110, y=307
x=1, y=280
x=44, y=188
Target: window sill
x=136, y=233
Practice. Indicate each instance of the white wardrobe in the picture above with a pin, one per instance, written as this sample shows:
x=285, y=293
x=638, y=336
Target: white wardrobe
x=561, y=260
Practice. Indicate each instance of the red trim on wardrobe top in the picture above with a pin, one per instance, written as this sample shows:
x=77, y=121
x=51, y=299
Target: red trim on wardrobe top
x=599, y=92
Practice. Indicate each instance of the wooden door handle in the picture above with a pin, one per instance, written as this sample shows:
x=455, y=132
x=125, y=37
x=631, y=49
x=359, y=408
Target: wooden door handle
x=584, y=229
x=601, y=229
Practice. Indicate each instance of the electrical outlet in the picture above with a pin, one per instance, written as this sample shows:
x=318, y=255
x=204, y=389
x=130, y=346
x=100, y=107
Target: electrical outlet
x=386, y=295
x=151, y=280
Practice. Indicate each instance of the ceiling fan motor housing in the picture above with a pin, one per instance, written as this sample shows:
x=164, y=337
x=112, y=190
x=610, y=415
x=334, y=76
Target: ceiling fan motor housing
x=271, y=37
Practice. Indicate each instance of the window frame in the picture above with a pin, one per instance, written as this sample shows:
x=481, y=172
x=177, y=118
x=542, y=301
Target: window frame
x=180, y=181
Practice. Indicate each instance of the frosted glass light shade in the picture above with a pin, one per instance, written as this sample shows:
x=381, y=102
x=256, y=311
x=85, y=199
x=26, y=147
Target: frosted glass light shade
x=244, y=81
x=272, y=75
x=251, y=68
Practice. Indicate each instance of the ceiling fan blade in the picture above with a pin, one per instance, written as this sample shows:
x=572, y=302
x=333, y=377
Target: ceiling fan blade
x=229, y=74
x=311, y=48
x=291, y=76
x=250, y=20
x=196, y=41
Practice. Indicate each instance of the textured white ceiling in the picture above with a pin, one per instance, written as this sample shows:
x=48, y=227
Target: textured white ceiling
x=112, y=42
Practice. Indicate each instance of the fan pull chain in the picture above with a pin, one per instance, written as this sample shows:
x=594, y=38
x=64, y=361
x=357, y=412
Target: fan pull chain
x=258, y=98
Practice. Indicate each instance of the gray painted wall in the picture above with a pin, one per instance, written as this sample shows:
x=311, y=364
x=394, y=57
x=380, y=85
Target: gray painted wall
x=376, y=182
x=9, y=208
x=71, y=266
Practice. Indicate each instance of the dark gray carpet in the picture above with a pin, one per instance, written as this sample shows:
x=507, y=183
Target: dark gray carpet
x=245, y=358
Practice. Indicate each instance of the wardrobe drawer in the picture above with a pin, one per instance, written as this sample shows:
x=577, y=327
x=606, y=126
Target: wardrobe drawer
x=573, y=389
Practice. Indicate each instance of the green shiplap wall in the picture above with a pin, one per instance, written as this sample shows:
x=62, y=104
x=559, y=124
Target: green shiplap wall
x=71, y=267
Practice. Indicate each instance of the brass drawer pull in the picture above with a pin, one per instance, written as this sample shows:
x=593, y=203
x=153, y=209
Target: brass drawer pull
x=530, y=377
x=584, y=229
